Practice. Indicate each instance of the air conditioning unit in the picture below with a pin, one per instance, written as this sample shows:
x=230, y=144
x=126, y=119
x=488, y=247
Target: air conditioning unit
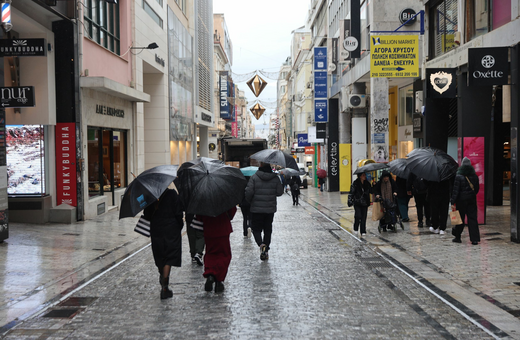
x=356, y=101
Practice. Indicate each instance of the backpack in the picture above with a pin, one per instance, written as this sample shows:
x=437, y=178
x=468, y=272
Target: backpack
x=420, y=185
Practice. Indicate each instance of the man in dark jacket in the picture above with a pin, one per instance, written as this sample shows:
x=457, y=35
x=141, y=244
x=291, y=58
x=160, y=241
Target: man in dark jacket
x=261, y=191
x=439, y=197
x=360, y=192
x=295, y=185
x=402, y=198
x=418, y=187
x=464, y=198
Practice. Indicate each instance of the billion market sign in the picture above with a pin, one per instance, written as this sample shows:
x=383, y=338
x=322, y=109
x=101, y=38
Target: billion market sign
x=394, y=56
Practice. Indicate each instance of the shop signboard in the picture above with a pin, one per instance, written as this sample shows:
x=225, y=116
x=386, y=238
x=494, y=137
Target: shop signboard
x=234, y=129
x=320, y=59
x=441, y=83
x=394, y=56
x=345, y=167
x=309, y=150
x=474, y=149
x=22, y=96
x=320, y=84
x=225, y=112
x=66, y=164
x=303, y=140
x=321, y=130
x=320, y=110
x=488, y=66
x=359, y=140
x=344, y=33
x=22, y=48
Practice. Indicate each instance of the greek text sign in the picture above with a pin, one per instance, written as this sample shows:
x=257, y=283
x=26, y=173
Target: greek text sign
x=66, y=164
x=394, y=56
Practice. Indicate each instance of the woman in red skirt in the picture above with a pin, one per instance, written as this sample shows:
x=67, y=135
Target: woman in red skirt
x=218, y=249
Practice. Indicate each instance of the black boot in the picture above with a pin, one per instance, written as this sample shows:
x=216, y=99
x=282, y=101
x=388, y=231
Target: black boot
x=420, y=224
x=208, y=287
x=165, y=291
x=219, y=287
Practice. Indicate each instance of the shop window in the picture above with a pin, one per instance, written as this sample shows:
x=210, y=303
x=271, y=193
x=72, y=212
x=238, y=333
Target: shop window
x=444, y=18
x=106, y=160
x=152, y=14
x=102, y=23
x=406, y=106
x=486, y=15
x=26, y=160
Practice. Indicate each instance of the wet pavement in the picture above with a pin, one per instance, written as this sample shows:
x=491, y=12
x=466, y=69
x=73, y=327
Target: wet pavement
x=96, y=279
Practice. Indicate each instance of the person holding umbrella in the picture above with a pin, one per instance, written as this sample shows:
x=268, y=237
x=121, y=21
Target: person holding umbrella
x=418, y=187
x=386, y=189
x=165, y=216
x=261, y=191
x=403, y=198
x=464, y=198
x=322, y=174
x=360, y=193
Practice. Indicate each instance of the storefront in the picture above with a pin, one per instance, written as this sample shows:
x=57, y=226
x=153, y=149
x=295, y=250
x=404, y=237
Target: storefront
x=107, y=131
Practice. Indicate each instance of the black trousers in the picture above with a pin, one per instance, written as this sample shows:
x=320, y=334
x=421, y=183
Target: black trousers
x=439, y=206
x=423, y=207
x=247, y=218
x=360, y=218
x=262, y=223
x=295, y=195
x=468, y=208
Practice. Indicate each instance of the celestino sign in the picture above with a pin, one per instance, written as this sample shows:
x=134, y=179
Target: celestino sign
x=66, y=164
x=488, y=66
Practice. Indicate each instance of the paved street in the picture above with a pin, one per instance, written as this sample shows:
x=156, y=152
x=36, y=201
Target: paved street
x=319, y=283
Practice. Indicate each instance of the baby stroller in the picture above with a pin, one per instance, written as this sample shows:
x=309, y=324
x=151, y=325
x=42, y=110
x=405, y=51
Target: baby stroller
x=391, y=218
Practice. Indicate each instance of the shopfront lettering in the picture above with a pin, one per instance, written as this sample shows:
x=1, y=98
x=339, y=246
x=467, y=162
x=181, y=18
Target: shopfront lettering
x=17, y=96
x=334, y=168
x=65, y=159
x=488, y=74
x=110, y=111
x=205, y=117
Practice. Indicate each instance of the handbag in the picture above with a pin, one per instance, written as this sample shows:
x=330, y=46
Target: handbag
x=377, y=211
x=143, y=226
x=455, y=217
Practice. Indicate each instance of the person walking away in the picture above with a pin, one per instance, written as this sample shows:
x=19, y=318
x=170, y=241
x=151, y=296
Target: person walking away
x=360, y=192
x=402, y=198
x=195, y=239
x=439, y=196
x=245, y=207
x=261, y=192
x=166, y=224
x=418, y=187
x=321, y=182
x=385, y=189
x=464, y=198
x=295, y=184
x=218, y=249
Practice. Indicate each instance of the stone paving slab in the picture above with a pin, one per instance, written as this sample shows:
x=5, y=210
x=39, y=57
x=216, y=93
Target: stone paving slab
x=319, y=283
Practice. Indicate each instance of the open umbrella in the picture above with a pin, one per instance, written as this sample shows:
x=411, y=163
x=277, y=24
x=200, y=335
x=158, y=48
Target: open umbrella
x=432, y=164
x=273, y=156
x=321, y=173
x=291, y=172
x=249, y=171
x=146, y=188
x=210, y=188
x=370, y=167
x=399, y=167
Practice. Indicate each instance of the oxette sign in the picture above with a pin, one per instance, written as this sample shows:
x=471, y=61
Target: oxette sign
x=488, y=66
x=22, y=47
x=66, y=164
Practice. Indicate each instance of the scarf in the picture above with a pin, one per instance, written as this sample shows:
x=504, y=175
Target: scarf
x=386, y=190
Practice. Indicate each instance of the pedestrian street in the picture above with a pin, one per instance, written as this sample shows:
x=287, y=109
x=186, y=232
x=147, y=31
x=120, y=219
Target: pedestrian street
x=319, y=283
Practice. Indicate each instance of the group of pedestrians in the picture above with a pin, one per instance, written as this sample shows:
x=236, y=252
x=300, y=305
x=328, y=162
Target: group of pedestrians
x=432, y=200
x=209, y=233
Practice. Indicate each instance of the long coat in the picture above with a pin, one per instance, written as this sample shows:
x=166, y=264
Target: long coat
x=360, y=190
x=262, y=190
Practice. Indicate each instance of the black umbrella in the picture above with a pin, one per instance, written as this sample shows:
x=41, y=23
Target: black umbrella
x=146, y=188
x=210, y=188
x=370, y=167
x=273, y=156
x=291, y=172
x=432, y=164
x=399, y=167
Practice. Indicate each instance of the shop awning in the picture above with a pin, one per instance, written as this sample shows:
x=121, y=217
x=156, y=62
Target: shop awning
x=103, y=84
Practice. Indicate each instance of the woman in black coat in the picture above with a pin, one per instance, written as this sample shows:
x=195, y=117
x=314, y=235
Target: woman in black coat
x=166, y=223
x=295, y=184
x=360, y=196
x=464, y=198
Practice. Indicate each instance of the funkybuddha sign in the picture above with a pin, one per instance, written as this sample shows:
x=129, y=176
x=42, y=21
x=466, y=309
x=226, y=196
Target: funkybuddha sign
x=394, y=56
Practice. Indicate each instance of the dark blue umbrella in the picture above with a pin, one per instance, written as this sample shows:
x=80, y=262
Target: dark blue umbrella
x=146, y=188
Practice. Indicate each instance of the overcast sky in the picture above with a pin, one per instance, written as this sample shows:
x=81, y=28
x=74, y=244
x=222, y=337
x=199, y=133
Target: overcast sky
x=261, y=35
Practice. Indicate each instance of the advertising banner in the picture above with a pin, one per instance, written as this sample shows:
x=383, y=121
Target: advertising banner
x=320, y=84
x=303, y=140
x=234, y=129
x=359, y=140
x=394, y=56
x=488, y=66
x=441, y=83
x=66, y=164
x=473, y=148
x=224, y=94
x=320, y=59
x=321, y=110
x=345, y=167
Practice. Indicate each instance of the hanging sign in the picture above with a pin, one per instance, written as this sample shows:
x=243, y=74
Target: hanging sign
x=17, y=96
x=320, y=84
x=303, y=140
x=320, y=59
x=321, y=130
x=320, y=110
x=394, y=56
x=224, y=94
x=441, y=83
x=66, y=164
x=488, y=66
x=22, y=47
